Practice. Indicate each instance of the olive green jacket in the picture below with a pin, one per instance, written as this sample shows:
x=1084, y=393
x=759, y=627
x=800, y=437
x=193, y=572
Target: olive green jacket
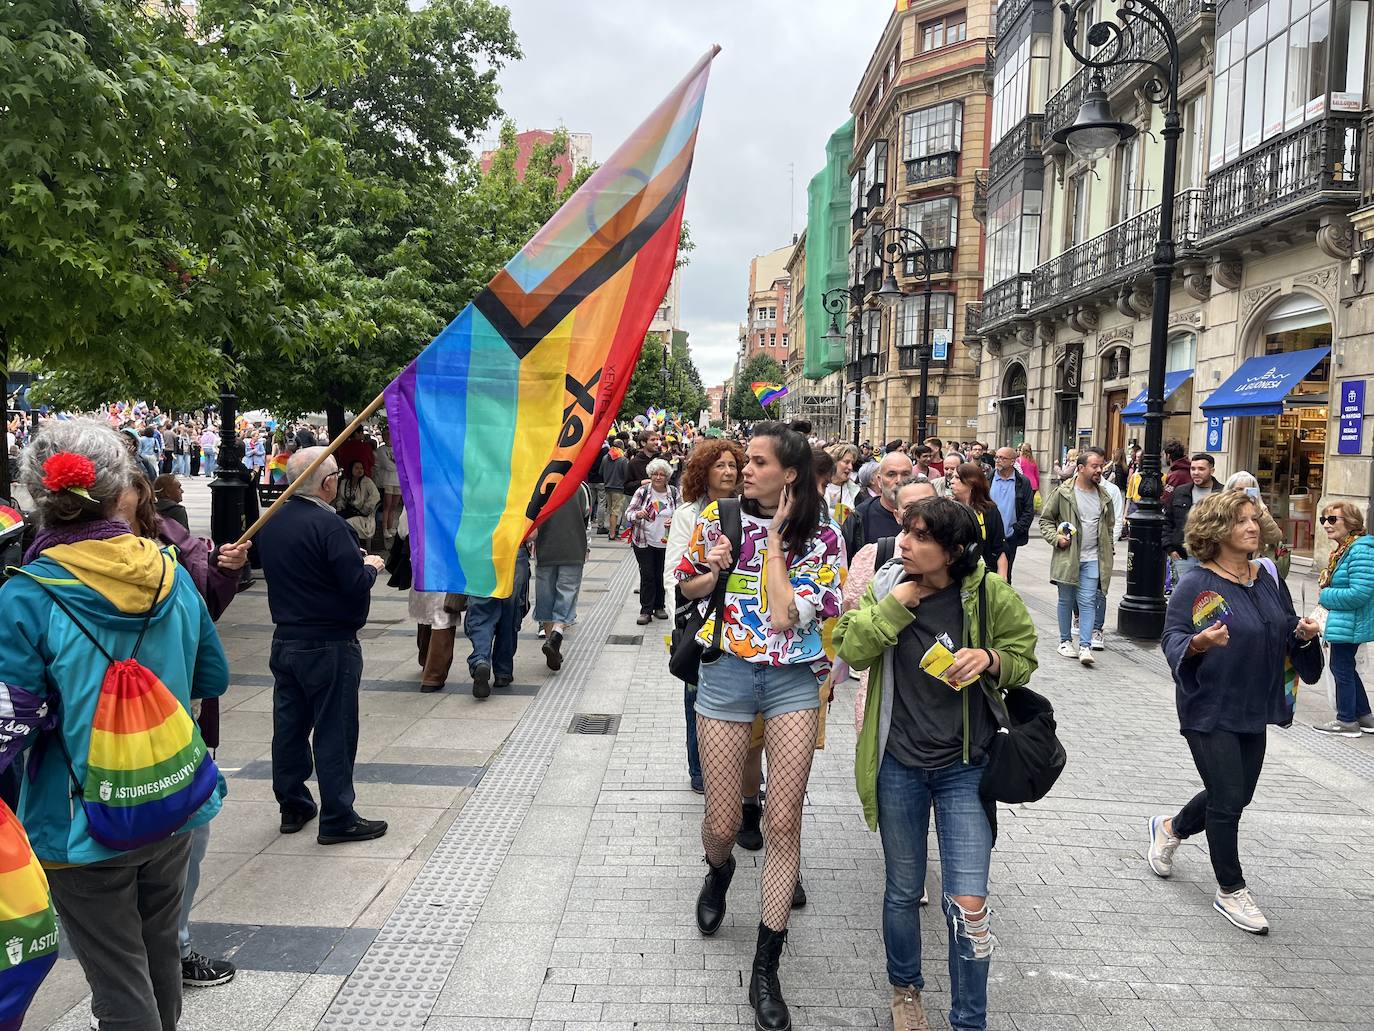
x=1060, y=507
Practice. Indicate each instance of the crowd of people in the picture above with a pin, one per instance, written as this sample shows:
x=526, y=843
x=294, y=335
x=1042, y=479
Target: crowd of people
x=783, y=565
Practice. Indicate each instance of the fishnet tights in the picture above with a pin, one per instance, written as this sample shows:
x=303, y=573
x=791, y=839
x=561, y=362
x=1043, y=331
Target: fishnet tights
x=789, y=743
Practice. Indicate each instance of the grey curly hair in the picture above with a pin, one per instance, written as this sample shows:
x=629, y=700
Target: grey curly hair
x=113, y=470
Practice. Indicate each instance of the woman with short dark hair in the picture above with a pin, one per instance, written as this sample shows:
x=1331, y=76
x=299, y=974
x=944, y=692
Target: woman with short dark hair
x=925, y=739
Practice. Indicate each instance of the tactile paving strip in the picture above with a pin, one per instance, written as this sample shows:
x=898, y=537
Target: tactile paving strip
x=397, y=982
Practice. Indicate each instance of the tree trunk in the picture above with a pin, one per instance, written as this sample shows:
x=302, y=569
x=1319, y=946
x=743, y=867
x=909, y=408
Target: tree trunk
x=335, y=420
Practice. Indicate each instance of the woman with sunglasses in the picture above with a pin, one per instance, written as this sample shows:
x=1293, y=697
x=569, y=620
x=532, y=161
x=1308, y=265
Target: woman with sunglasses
x=1347, y=594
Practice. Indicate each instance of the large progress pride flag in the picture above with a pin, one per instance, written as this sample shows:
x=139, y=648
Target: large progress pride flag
x=498, y=420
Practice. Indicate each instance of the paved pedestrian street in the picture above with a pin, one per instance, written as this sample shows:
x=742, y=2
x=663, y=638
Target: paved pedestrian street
x=539, y=880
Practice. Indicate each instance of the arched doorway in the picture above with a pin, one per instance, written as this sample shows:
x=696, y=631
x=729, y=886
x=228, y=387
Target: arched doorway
x=1114, y=375
x=1011, y=407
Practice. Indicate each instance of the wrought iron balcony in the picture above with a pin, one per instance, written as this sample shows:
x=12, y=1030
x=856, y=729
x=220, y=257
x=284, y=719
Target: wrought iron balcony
x=941, y=262
x=973, y=318
x=932, y=166
x=980, y=194
x=1317, y=162
x=1143, y=45
x=858, y=218
x=1114, y=257
x=873, y=280
x=1007, y=13
x=1021, y=142
x=1006, y=300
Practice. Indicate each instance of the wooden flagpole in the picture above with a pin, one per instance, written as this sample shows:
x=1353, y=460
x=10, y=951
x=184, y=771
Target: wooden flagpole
x=304, y=477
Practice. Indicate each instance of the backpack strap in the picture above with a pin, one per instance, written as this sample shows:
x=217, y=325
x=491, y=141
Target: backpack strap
x=733, y=527
x=886, y=548
x=998, y=703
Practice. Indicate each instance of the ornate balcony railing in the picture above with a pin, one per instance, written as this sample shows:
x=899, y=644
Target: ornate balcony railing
x=1319, y=158
x=1021, y=142
x=933, y=166
x=1008, y=298
x=1008, y=11
x=973, y=318
x=980, y=194
x=1115, y=256
x=1142, y=45
x=941, y=262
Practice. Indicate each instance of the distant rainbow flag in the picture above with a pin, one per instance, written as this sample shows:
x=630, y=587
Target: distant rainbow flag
x=9, y=518
x=276, y=467
x=499, y=419
x=767, y=393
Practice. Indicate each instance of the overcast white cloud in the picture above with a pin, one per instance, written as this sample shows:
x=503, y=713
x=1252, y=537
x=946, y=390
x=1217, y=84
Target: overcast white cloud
x=779, y=88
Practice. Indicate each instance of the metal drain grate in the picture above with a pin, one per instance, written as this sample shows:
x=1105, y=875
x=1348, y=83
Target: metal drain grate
x=594, y=723
x=625, y=639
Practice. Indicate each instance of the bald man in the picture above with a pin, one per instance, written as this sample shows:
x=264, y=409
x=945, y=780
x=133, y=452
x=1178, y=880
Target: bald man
x=880, y=516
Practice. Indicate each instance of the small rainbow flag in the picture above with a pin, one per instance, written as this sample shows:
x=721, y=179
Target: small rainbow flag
x=767, y=393
x=28, y=929
x=276, y=467
x=9, y=518
x=499, y=419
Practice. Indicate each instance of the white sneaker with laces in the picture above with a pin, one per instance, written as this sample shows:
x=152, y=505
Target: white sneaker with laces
x=1162, y=846
x=1239, y=907
x=1085, y=655
x=1099, y=641
x=1067, y=650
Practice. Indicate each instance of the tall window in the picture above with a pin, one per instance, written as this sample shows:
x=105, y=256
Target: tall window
x=944, y=31
x=1020, y=85
x=936, y=220
x=856, y=192
x=1194, y=143
x=932, y=130
x=1128, y=195
x=910, y=321
x=1013, y=228
x=1077, y=228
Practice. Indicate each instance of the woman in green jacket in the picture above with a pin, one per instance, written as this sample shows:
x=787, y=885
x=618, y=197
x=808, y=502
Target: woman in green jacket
x=924, y=743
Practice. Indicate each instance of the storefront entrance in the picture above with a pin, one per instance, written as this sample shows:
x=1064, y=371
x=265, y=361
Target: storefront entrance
x=1011, y=408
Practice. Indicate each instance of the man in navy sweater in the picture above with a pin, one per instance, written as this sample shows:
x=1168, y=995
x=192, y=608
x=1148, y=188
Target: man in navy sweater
x=319, y=588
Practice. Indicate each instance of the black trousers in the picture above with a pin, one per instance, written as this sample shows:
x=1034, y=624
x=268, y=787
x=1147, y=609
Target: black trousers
x=1009, y=550
x=1230, y=766
x=651, y=592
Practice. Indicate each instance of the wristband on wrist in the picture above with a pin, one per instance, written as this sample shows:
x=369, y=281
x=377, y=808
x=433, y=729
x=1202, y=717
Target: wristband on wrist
x=991, y=658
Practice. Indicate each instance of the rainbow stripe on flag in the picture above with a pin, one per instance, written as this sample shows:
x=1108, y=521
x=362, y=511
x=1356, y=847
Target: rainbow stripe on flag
x=499, y=419
x=767, y=393
x=28, y=929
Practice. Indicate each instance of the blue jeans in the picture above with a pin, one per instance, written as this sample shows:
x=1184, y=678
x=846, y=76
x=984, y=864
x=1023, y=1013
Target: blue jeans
x=207, y=464
x=492, y=624
x=1100, y=617
x=200, y=841
x=1085, y=594
x=905, y=798
x=181, y=465
x=1351, y=700
x=689, y=705
x=315, y=710
x=555, y=593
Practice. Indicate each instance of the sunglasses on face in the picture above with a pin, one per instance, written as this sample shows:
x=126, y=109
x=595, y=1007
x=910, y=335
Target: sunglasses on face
x=1329, y=520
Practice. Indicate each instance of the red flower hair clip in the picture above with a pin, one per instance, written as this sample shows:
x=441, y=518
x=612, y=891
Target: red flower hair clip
x=67, y=470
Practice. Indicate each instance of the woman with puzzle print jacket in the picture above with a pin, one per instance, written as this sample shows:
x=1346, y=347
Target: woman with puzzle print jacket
x=120, y=909
x=1234, y=644
x=924, y=741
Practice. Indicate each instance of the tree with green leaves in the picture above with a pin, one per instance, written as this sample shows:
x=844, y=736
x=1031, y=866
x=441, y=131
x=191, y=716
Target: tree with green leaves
x=664, y=377
x=743, y=404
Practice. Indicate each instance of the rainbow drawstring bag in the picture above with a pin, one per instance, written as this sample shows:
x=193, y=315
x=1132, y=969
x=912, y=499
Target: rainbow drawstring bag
x=28, y=926
x=147, y=770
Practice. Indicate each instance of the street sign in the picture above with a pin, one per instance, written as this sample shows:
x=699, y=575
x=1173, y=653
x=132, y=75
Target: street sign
x=1351, y=431
x=940, y=345
x=1214, y=433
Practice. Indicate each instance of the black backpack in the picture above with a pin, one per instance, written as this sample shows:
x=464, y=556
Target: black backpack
x=887, y=547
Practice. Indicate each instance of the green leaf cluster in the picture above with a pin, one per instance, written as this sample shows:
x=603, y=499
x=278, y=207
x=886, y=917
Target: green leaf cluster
x=743, y=404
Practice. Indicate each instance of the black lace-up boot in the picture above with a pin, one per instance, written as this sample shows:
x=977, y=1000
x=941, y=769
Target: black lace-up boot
x=711, y=900
x=765, y=993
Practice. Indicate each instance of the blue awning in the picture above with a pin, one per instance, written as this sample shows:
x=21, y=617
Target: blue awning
x=1134, y=412
x=1259, y=386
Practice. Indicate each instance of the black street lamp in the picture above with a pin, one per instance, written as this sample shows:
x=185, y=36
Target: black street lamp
x=835, y=302
x=907, y=245
x=1092, y=135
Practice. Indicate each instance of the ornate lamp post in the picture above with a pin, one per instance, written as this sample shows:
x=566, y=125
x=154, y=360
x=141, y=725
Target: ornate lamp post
x=1092, y=135
x=837, y=302
x=905, y=245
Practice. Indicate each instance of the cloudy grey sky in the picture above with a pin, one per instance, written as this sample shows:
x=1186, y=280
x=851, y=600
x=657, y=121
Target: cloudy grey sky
x=779, y=88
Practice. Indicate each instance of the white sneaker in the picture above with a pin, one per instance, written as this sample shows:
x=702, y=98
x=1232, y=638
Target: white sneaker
x=1067, y=649
x=1239, y=908
x=1085, y=655
x=1162, y=846
x=1099, y=641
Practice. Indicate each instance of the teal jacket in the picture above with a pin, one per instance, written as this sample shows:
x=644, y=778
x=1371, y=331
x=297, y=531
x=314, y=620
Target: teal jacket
x=866, y=636
x=42, y=649
x=1349, y=599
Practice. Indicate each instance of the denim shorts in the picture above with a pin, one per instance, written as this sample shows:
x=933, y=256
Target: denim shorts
x=734, y=690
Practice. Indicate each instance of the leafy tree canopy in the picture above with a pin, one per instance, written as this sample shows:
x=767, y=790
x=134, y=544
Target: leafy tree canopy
x=743, y=404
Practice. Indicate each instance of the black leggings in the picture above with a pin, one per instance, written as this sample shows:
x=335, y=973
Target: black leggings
x=651, y=592
x=1230, y=766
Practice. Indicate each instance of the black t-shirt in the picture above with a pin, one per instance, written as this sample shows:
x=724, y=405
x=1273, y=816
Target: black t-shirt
x=927, y=729
x=878, y=522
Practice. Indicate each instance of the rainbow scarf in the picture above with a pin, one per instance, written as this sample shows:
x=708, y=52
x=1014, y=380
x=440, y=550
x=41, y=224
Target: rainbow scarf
x=767, y=393
x=28, y=929
x=499, y=419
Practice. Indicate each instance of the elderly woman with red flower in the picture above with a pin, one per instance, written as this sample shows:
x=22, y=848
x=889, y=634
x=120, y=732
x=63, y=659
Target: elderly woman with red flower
x=90, y=596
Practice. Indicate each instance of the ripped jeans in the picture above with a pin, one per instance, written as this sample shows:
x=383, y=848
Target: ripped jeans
x=905, y=798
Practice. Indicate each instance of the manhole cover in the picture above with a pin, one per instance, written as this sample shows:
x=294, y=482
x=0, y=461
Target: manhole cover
x=625, y=639
x=594, y=723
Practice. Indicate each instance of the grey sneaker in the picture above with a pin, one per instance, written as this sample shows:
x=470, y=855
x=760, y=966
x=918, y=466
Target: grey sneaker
x=1366, y=723
x=1162, y=846
x=1239, y=908
x=907, y=1012
x=1099, y=641
x=1338, y=728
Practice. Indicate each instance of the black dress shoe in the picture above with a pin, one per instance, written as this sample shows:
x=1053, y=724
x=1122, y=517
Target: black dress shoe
x=362, y=830
x=553, y=655
x=293, y=822
x=481, y=680
x=430, y=688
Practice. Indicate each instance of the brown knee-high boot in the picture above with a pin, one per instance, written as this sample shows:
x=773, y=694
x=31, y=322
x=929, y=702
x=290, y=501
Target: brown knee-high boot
x=438, y=660
x=422, y=633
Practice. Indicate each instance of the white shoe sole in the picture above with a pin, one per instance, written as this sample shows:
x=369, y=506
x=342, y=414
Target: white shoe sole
x=1236, y=923
x=1087, y=660
x=1149, y=853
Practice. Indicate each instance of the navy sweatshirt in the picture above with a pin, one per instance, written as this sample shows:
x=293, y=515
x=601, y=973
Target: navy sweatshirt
x=317, y=586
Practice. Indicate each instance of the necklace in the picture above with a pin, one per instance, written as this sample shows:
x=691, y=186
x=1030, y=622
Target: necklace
x=1244, y=579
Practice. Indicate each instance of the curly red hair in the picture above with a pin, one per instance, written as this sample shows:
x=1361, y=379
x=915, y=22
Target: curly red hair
x=699, y=462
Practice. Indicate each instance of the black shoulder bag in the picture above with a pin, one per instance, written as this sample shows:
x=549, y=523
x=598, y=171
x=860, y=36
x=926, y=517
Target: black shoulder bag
x=1025, y=757
x=686, y=653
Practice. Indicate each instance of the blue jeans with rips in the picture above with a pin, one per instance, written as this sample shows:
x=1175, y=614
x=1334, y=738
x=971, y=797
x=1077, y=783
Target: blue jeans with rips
x=905, y=798
x=1085, y=594
x=492, y=624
